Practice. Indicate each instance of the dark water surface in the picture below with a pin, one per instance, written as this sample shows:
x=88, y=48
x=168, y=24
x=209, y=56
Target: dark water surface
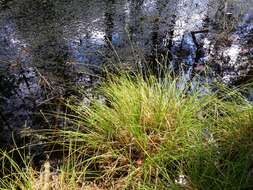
x=47, y=44
x=47, y=33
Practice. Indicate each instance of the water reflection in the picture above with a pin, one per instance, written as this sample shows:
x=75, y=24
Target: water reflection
x=73, y=30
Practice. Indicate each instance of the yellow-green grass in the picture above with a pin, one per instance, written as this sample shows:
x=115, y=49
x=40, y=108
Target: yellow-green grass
x=155, y=134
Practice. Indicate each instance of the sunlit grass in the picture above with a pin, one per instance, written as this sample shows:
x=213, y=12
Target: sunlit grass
x=154, y=134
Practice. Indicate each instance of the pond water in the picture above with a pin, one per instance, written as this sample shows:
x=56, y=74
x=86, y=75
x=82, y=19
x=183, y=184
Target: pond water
x=46, y=44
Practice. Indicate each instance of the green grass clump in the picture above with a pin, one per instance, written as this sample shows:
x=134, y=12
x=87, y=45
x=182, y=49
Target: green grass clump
x=152, y=134
x=155, y=134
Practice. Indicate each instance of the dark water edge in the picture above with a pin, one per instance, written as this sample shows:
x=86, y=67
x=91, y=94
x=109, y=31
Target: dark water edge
x=49, y=48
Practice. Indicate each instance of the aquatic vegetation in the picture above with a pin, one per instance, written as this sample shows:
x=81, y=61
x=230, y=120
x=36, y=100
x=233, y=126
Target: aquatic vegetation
x=145, y=130
x=149, y=133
